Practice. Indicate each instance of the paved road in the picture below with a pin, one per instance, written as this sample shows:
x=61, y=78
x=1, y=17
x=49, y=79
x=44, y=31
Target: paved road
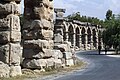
x=101, y=67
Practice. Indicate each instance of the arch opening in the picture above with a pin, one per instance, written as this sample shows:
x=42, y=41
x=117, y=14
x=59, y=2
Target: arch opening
x=77, y=37
x=83, y=35
x=89, y=35
x=70, y=34
x=94, y=38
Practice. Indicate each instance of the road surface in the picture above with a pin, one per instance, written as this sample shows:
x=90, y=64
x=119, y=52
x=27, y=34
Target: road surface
x=100, y=67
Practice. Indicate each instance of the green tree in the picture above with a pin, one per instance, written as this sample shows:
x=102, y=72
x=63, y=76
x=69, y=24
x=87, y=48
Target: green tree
x=109, y=15
x=111, y=36
x=74, y=16
x=77, y=16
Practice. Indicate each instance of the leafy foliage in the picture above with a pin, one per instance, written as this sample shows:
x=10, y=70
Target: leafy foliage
x=109, y=15
x=111, y=36
x=93, y=20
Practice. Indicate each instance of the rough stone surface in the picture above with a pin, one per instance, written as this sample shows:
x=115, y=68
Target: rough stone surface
x=9, y=8
x=37, y=9
x=10, y=37
x=36, y=44
x=10, y=23
x=10, y=53
x=61, y=38
x=47, y=34
x=4, y=70
x=37, y=53
x=58, y=38
x=69, y=62
x=7, y=36
x=58, y=63
x=67, y=55
x=15, y=70
x=34, y=63
x=40, y=63
x=50, y=62
x=64, y=47
x=57, y=54
x=38, y=35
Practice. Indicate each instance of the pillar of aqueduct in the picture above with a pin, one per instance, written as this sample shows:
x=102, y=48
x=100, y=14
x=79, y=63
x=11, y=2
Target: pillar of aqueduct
x=10, y=38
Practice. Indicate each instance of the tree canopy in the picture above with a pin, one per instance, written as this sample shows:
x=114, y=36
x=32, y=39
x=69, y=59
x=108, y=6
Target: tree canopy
x=111, y=36
x=92, y=20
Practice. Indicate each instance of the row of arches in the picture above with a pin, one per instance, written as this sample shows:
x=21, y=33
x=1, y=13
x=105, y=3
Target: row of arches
x=81, y=36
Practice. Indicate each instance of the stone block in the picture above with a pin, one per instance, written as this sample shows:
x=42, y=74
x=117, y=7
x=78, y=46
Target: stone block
x=46, y=24
x=15, y=71
x=69, y=62
x=36, y=3
x=4, y=70
x=34, y=63
x=50, y=62
x=4, y=24
x=14, y=22
x=58, y=38
x=4, y=37
x=37, y=53
x=15, y=36
x=36, y=44
x=32, y=53
x=47, y=34
x=51, y=11
x=27, y=35
x=51, y=43
x=64, y=48
x=58, y=63
x=36, y=24
x=57, y=54
x=10, y=23
x=41, y=12
x=40, y=24
x=46, y=2
x=47, y=53
x=10, y=53
x=9, y=8
x=7, y=36
x=68, y=43
x=67, y=55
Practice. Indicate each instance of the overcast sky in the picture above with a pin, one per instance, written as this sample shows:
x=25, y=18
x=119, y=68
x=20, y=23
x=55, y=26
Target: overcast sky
x=95, y=8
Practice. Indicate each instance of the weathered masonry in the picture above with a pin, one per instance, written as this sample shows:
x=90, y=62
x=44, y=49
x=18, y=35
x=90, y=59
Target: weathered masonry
x=82, y=35
x=10, y=38
x=38, y=47
x=42, y=44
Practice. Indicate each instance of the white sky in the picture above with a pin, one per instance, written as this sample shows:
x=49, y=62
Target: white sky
x=95, y=8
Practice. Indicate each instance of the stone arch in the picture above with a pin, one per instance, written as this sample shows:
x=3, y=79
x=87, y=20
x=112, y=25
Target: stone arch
x=77, y=35
x=65, y=31
x=83, y=31
x=99, y=37
x=89, y=35
x=71, y=34
x=94, y=37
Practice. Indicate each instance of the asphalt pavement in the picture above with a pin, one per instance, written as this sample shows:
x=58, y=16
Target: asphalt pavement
x=100, y=67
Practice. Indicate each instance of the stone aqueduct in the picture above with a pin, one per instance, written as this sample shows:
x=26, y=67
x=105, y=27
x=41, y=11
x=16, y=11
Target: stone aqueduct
x=82, y=35
x=37, y=49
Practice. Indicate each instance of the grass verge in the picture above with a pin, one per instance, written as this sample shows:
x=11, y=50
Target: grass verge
x=29, y=74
